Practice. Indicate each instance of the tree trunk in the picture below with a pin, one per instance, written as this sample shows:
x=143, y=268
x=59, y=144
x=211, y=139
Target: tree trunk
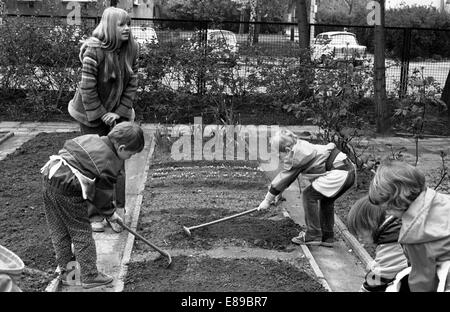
x=303, y=25
x=242, y=20
x=446, y=97
x=251, y=26
x=381, y=109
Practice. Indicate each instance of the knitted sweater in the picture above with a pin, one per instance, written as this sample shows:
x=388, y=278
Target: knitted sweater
x=96, y=94
x=95, y=158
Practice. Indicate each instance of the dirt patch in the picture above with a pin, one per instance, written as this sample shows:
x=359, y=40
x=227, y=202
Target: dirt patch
x=256, y=230
x=22, y=219
x=189, y=195
x=34, y=281
x=205, y=274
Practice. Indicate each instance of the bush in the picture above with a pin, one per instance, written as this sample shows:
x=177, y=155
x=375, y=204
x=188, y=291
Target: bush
x=334, y=105
x=40, y=56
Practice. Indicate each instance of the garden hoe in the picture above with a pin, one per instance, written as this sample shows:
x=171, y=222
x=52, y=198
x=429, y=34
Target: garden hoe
x=187, y=230
x=162, y=252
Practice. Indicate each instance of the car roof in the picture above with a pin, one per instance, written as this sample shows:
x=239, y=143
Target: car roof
x=332, y=33
x=143, y=27
x=220, y=30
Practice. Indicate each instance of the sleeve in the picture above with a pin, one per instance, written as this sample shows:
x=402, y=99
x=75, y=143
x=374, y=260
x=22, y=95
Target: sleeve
x=7, y=284
x=104, y=193
x=127, y=97
x=88, y=86
x=423, y=268
x=389, y=260
x=283, y=179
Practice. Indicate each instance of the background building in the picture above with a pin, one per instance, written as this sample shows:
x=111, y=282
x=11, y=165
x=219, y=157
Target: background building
x=90, y=8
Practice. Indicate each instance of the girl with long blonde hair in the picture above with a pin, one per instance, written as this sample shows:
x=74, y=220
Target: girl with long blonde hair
x=105, y=95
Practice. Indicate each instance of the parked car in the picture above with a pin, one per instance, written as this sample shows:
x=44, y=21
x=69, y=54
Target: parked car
x=144, y=35
x=337, y=45
x=221, y=45
x=218, y=41
x=228, y=38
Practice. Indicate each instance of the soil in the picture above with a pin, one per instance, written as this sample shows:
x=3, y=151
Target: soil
x=205, y=274
x=22, y=219
x=181, y=194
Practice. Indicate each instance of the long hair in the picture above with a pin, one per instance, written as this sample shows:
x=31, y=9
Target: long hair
x=105, y=36
x=364, y=216
x=396, y=184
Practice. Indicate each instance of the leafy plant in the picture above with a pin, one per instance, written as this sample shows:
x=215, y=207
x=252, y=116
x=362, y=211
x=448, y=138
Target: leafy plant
x=417, y=103
x=336, y=92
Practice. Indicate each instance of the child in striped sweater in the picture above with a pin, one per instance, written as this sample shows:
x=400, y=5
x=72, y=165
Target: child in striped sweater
x=104, y=96
x=372, y=226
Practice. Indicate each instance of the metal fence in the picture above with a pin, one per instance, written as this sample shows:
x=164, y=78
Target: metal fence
x=407, y=49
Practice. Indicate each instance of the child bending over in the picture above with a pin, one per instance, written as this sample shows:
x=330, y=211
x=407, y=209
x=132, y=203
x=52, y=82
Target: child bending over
x=83, y=175
x=371, y=225
x=330, y=172
x=425, y=233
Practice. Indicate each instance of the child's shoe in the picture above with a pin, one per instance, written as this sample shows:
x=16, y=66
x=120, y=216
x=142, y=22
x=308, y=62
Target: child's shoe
x=100, y=280
x=98, y=226
x=303, y=239
x=328, y=242
x=115, y=226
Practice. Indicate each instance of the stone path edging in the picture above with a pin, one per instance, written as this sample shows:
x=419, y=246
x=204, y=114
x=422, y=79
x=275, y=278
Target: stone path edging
x=359, y=250
x=316, y=268
x=6, y=137
x=126, y=257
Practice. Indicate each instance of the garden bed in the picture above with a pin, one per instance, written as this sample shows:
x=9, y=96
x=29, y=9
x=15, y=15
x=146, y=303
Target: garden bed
x=22, y=218
x=207, y=274
x=181, y=194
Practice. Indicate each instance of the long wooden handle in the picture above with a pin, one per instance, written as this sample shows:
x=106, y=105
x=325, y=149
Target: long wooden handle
x=143, y=239
x=224, y=219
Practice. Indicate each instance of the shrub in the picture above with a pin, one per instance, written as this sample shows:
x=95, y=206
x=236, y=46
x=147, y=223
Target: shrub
x=333, y=105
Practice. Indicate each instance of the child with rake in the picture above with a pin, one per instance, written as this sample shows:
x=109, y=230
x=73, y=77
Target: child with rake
x=80, y=177
x=331, y=174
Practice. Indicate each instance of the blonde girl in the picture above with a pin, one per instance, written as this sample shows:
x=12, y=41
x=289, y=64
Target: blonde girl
x=331, y=174
x=105, y=94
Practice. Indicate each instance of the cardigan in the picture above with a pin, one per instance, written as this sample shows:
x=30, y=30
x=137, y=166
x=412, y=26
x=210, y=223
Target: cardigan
x=96, y=94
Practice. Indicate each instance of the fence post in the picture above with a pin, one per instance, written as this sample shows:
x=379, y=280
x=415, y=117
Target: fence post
x=201, y=83
x=404, y=69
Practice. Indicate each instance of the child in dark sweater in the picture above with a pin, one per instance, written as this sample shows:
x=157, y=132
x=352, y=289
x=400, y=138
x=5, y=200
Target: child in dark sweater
x=83, y=175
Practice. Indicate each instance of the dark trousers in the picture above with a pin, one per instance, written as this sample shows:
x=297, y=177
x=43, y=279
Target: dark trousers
x=68, y=222
x=119, y=193
x=319, y=209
